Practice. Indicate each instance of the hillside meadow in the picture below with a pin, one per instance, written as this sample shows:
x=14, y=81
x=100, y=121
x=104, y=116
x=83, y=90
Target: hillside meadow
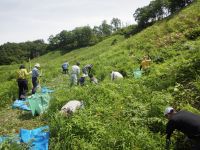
x=124, y=114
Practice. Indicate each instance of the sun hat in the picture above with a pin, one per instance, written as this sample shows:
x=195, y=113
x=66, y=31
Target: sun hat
x=168, y=110
x=37, y=65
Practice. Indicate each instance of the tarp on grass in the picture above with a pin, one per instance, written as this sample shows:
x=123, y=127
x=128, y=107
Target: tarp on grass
x=39, y=103
x=137, y=73
x=20, y=104
x=46, y=90
x=38, y=138
x=11, y=139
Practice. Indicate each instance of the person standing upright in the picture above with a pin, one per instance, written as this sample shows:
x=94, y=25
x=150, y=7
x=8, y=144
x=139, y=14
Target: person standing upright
x=65, y=66
x=75, y=73
x=35, y=75
x=22, y=82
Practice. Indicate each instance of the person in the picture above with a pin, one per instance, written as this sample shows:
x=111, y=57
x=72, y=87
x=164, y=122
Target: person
x=81, y=81
x=70, y=107
x=87, y=69
x=93, y=79
x=35, y=75
x=145, y=64
x=186, y=122
x=116, y=75
x=75, y=73
x=65, y=66
x=22, y=82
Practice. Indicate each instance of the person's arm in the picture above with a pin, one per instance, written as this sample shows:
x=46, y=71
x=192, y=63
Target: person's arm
x=78, y=70
x=169, y=130
x=26, y=73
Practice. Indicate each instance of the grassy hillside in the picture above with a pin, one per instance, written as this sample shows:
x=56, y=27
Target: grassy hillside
x=126, y=114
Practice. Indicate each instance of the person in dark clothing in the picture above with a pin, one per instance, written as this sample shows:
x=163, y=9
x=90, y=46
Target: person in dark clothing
x=81, y=81
x=87, y=69
x=186, y=122
x=22, y=82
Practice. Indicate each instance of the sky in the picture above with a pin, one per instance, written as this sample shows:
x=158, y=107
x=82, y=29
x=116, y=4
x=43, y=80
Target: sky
x=29, y=20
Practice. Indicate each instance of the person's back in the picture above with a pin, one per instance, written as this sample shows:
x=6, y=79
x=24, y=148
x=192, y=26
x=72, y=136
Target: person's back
x=71, y=106
x=186, y=122
x=65, y=65
x=22, y=82
x=87, y=68
x=116, y=75
x=35, y=72
x=75, y=70
x=22, y=73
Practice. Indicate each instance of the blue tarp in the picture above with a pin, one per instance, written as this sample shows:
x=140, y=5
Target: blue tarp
x=38, y=138
x=24, y=105
x=15, y=138
x=46, y=90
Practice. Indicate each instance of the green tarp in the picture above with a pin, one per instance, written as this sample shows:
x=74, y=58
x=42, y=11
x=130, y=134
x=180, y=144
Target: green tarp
x=137, y=73
x=39, y=103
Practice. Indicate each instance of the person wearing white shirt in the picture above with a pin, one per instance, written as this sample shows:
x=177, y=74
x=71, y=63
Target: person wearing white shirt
x=70, y=107
x=75, y=73
x=116, y=75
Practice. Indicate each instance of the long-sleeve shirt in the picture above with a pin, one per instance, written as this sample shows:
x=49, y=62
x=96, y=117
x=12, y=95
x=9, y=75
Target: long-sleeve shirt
x=186, y=122
x=65, y=65
x=22, y=74
x=87, y=68
x=35, y=72
x=75, y=70
x=145, y=63
x=115, y=75
x=72, y=105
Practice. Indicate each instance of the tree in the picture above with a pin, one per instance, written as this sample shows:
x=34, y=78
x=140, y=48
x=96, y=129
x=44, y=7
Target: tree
x=116, y=24
x=105, y=28
x=83, y=36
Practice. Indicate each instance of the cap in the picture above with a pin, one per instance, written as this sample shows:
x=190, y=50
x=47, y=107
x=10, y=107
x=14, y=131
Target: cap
x=37, y=65
x=168, y=110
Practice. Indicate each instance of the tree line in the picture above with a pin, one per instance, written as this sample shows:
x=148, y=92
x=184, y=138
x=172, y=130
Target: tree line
x=83, y=36
x=157, y=10
x=19, y=52
x=64, y=41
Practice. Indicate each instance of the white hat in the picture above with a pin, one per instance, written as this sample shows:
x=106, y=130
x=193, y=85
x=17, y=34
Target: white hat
x=168, y=110
x=37, y=65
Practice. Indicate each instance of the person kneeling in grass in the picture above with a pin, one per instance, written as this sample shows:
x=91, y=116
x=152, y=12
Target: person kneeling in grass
x=186, y=122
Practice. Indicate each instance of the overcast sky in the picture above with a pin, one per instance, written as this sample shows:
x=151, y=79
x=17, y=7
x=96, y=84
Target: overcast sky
x=28, y=20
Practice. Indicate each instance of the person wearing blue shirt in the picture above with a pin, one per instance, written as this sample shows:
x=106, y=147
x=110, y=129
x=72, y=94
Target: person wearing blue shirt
x=65, y=67
x=35, y=75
